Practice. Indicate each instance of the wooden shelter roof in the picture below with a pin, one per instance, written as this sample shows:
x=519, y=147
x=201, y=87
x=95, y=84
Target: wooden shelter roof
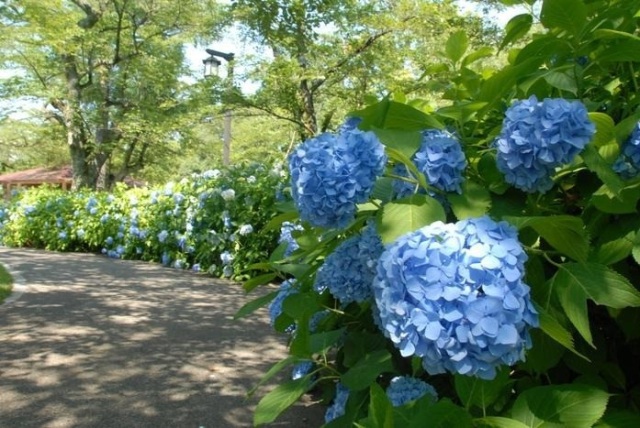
x=59, y=175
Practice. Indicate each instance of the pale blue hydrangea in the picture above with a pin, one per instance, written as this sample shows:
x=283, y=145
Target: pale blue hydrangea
x=537, y=137
x=339, y=404
x=245, y=229
x=628, y=163
x=104, y=218
x=226, y=257
x=228, y=194
x=196, y=267
x=109, y=240
x=62, y=235
x=453, y=294
x=350, y=123
x=80, y=233
x=302, y=369
x=212, y=173
x=93, y=210
x=403, y=389
x=348, y=271
x=287, y=288
x=165, y=259
x=440, y=158
x=251, y=179
x=330, y=174
x=163, y=235
x=178, y=198
x=286, y=236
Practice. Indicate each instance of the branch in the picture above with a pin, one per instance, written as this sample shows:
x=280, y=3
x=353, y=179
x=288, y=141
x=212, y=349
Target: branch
x=91, y=18
x=247, y=103
x=360, y=49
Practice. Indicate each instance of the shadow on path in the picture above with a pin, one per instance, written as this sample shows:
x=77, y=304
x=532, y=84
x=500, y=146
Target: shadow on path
x=97, y=342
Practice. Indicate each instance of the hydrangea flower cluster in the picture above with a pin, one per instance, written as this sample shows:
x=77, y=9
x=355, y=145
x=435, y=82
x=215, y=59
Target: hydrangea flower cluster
x=537, y=137
x=628, y=163
x=286, y=236
x=287, y=288
x=330, y=174
x=302, y=369
x=403, y=389
x=440, y=158
x=339, y=404
x=453, y=294
x=348, y=271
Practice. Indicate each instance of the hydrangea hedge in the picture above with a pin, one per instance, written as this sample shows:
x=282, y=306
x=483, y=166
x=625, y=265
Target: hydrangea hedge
x=212, y=222
x=476, y=264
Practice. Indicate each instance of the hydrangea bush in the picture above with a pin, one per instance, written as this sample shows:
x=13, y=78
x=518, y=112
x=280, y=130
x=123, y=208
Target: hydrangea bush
x=475, y=264
x=211, y=222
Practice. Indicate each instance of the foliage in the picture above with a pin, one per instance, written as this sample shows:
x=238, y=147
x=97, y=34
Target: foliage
x=106, y=74
x=213, y=222
x=5, y=284
x=518, y=304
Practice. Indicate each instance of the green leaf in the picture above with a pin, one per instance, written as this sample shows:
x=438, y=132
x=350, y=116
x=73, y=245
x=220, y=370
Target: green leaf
x=388, y=114
x=278, y=400
x=624, y=202
x=406, y=142
x=565, y=81
x=498, y=422
x=619, y=419
x=461, y=111
x=573, y=406
x=252, y=306
x=605, y=128
x=603, y=170
x=406, y=215
x=555, y=330
x=483, y=52
x=274, y=370
x=456, y=46
x=383, y=189
x=319, y=342
x=606, y=33
x=474, y=201
x=574, y=283
x=623, y=51
x=568, y=15
x=565, y=233
x=613, y=251
x=480, y=393
x=276, y=222
x=516, y=28
x=300, y=305
x=380, y=408
x=365, y=371
x=443, y=414
x=254, y=282
x=635, y=252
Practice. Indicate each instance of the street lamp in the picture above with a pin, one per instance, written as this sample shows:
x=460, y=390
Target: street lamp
x=211, y=68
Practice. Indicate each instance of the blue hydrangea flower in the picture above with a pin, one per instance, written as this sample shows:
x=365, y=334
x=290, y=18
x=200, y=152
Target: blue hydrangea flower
x=165, y=259
x=403, y=389
x=350, y=123
x=330, y=174
x=440, y=158
x=287, y=288
x=339, y=404
x=537, y=137
x=348, y=271
x=302, y=369
x=628, y=163
x=104, y=218
x=62, y=235
x=178, y=198
x=286, y=236
x=226, y=257
x=245, y=229
x=163, y=235
x=196, y=267
x=453, y=294
x=228, y=194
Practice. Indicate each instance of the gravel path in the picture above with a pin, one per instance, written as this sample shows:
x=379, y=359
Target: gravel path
x=94, y=342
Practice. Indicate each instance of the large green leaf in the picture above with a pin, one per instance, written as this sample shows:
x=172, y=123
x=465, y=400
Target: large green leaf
x=623, y=51
x=613, y=251
x=565, y=233
x=388, y=114
x=456, y=45
x=497, y=422
x=406, y=142
x=569, y=406
x=480, y=393
x=380, y=408
x=603, y=170
x=624, y=202
x=276, y=401
x=252, y=306
x=575, y=283
x=619, y=419
x=367, y=370
x=474, y=201
x=568, y=15
x=605, y=128
x=406, y=215
x=443, y=414
x=516, y=28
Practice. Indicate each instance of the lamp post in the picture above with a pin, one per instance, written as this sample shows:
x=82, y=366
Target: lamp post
x=211, y=68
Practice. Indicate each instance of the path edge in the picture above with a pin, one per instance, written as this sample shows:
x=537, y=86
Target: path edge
x=18, y=288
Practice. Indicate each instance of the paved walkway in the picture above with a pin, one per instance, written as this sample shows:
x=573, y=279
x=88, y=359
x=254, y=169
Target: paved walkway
x=97, y=342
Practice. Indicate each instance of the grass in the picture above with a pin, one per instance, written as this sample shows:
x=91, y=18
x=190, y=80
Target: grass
x=5, y=283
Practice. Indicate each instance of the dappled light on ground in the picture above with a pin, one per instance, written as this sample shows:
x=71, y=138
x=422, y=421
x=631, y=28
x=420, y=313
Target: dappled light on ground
x=110, y=343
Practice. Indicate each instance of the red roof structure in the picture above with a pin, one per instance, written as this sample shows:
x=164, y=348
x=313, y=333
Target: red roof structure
x=61, y=176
